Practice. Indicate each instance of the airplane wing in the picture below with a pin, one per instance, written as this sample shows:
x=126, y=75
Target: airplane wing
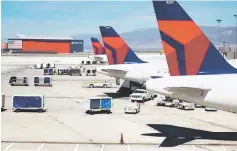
x=114, y=71
x=194, y=91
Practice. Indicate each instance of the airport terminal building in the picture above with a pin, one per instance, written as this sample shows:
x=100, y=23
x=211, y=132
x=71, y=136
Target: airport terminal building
x=45, y=45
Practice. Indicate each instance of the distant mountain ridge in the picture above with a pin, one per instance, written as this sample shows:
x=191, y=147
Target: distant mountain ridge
x=149, y=38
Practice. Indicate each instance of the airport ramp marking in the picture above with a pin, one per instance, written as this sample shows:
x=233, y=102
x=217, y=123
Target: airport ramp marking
x=57, y=120
x=8, y=146
x=76, y=148
x=129, y=149
x=102, y=148
x=223, y=147
x=38, y=149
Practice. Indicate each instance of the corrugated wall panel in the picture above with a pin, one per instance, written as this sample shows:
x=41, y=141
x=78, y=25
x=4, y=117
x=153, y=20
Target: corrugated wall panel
x=76, y=46
x=46, y=46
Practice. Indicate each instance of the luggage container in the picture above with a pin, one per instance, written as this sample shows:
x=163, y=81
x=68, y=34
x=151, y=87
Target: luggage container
x=63, y=71
x=42, y=80
x=98, y=104
x=91, y=72
x=49, y=71
x=3, y=102
x=75, y=71
x=18, y=80
x=24, y=102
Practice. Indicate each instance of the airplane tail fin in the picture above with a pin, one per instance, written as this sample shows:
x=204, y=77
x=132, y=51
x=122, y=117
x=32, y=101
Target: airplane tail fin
x=118, y=52
x=188, y=51
x=97, y=46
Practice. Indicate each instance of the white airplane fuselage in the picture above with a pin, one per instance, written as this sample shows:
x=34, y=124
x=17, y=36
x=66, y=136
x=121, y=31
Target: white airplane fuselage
x=136, y=72
x=216, y=91
x=141, y=72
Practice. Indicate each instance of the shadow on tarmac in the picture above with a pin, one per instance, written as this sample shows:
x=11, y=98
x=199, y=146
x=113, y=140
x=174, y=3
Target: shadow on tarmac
x=176, y=135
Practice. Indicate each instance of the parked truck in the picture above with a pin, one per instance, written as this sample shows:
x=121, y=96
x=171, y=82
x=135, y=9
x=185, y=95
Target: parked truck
x=22, y=102
x=98, y=104
x=141, y=95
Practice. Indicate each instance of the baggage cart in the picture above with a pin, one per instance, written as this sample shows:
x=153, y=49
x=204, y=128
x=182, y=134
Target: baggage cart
x=91, y=72
x=75, y=72
x=49, y=71
x=42, y=81
x=25, y=102
x=18, y=80
x=63, y=71
x=98, y=104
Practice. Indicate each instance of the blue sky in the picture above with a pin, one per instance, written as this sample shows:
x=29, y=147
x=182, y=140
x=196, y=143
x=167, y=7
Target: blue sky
x=62, y=18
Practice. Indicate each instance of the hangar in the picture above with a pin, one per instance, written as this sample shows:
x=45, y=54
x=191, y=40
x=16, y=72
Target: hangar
x=45, y=45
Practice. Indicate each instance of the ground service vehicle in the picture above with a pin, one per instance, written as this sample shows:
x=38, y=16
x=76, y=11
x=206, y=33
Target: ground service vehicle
x=49, y=71
x=169, y=104
x=91, y=72
x=98, y=104
x=22, y=102
x=18, y=80
x=186, y=105
x=104, y=84
x=42, y=80
x=63, y=71
x=75, y=71
x=210, y=109
x=132, y=107
x=140, y=95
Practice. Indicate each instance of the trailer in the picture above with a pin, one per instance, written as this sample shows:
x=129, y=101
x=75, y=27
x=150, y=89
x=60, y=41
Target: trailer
x=18, y=80
x=3, y=102
x=75, y=72
x=49, y=71
x=63, y=71
x=42, y=81
x=25, y=102
x=98, y=104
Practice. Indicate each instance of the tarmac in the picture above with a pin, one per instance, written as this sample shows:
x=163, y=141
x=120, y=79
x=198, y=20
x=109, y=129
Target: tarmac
x=66, y=127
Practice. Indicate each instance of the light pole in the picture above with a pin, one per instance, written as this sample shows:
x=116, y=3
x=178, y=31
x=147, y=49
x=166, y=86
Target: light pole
x=236, y=32
x=219, y=22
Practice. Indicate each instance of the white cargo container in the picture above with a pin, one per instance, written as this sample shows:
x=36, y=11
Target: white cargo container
x=98, y=104
x=42, y=81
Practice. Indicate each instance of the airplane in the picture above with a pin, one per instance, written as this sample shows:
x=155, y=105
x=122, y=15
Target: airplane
x=199, y=73
x=124, y=63
x=99, y=51
x=119, y=52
